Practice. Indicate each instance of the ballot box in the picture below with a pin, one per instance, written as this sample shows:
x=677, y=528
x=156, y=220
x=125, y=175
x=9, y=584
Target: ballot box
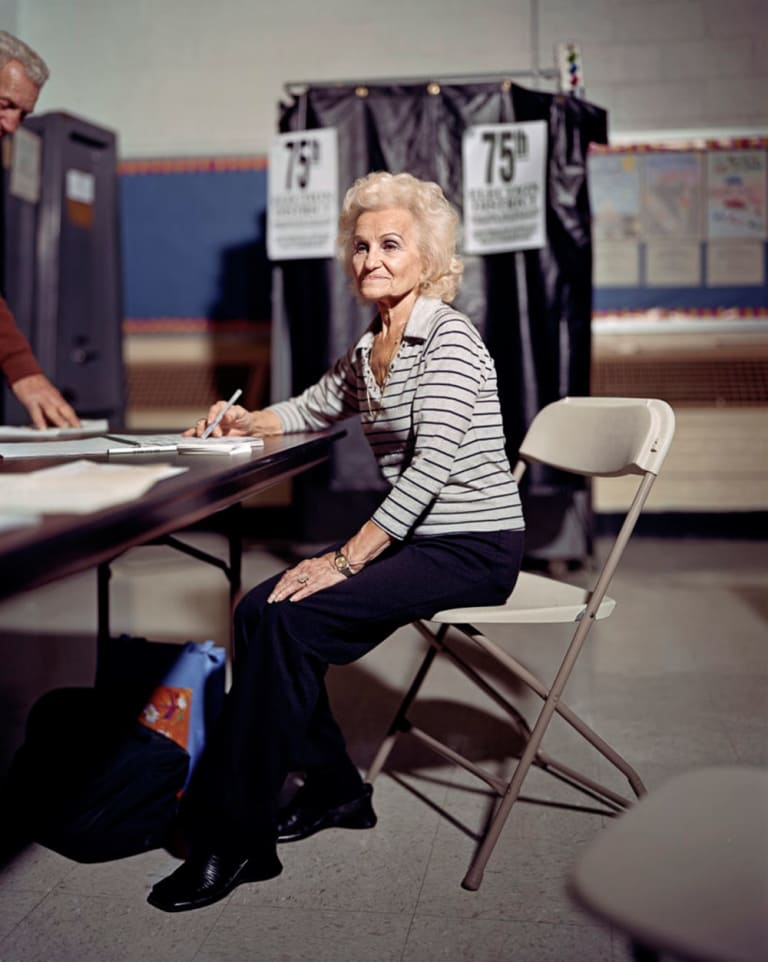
x=60, y=262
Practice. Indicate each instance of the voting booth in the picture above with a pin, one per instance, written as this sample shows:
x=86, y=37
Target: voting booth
x=61, y=270
x=527, y=251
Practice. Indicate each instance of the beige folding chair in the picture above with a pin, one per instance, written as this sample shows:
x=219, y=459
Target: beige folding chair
x=593, y=437
x=686, y=871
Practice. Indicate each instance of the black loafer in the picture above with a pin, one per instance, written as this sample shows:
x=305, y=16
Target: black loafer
x=302, y=817
x=204, y=880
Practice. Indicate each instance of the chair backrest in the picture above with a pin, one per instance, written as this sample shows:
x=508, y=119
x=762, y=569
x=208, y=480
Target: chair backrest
x=603, y=436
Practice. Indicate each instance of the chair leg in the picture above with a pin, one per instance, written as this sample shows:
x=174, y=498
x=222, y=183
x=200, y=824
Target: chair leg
x=399, y=722
x=474, y=876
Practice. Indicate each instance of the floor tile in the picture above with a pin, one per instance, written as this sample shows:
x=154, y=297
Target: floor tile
x=259, y=934
x=14, y=907
x=524, y=881
x=128, y=878
x=36, y=869
x=365, y=871
x=66, y=927
x=482, y=940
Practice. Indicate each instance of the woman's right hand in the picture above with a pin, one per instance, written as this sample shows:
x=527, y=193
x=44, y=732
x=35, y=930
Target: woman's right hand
x=237, y=422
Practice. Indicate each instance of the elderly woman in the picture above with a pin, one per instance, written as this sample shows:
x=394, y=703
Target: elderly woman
x=449, y=533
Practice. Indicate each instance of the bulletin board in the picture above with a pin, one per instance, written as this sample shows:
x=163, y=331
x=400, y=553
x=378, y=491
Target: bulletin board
x=681, y=230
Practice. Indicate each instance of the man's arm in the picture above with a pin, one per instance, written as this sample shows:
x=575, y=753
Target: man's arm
x=32, y=388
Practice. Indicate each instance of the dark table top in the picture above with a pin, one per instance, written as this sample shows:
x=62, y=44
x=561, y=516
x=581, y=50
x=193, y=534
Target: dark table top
x=62, y=544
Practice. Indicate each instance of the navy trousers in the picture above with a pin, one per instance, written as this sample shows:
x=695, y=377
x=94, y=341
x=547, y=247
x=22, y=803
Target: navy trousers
x=277, y=718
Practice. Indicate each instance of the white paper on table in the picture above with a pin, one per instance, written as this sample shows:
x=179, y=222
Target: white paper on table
x=92, y=426
x=109, y=444
x=55, y=448
x=9, y=520
x=79, y=487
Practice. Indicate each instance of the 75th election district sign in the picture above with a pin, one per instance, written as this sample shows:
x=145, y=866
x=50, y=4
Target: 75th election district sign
x=504, y=188
x=303, y=192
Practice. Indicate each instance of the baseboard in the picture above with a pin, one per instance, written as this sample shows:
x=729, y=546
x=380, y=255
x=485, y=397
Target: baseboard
x=729, y=525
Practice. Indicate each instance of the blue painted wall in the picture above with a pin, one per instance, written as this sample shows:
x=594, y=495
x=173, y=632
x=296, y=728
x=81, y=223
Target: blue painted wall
x=193, y=239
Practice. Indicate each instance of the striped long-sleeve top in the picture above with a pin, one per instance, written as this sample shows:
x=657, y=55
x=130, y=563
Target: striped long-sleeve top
x=435, y=427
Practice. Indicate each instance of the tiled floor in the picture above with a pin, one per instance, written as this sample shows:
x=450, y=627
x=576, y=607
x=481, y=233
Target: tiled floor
x=677, y=678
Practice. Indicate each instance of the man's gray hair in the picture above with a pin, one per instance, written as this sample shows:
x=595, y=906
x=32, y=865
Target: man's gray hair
x=11, y=48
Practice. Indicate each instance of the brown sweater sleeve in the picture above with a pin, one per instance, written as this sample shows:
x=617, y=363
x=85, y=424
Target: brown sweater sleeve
x=16, y=357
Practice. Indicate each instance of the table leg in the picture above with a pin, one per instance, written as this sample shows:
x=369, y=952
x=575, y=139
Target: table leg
x=103, y=575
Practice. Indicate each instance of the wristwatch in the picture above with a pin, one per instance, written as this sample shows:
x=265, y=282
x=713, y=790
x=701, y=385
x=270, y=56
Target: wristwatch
x=341, y=562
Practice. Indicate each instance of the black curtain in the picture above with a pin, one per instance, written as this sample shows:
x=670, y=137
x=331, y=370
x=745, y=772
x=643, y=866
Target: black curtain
x=533, y=307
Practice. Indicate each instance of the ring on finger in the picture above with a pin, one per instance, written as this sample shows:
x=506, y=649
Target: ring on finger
x=303, y=579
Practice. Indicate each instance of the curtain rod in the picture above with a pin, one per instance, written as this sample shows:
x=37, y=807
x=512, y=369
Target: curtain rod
x=545, y=74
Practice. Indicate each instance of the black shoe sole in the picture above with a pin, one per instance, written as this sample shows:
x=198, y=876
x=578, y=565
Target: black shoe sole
x=248, y=873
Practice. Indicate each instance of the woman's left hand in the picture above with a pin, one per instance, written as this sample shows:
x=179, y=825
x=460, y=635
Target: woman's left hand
x=309, y=576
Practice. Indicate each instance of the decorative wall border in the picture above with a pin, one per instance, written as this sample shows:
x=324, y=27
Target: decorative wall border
x=191, y=165
x=693, y=143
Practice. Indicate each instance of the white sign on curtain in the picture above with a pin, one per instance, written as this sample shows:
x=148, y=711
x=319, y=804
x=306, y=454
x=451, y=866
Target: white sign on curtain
x=504, y=187
x=303, y=192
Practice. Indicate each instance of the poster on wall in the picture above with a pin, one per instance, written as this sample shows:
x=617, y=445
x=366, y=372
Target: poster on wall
x=698, y=246
x=614, y=196
x=504, y=188
x=303, y=195
x=672, y=193
x=736, y=194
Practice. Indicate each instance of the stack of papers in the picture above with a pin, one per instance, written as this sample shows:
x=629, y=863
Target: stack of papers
x=79, y=486
x=118, y=444
x=142, y=443
x=14, y=433
x=81, y=447
x=17, y=519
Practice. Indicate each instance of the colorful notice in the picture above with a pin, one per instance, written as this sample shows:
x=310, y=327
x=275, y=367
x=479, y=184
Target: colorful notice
x=504, y=187
x=736, y=194
x=672, y=195
x=303, y=195
x=614, y=191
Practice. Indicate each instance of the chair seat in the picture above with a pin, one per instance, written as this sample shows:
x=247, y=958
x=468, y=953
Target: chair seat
x=536, y=599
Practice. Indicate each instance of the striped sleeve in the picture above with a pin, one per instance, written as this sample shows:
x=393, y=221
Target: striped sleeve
x=333, y=398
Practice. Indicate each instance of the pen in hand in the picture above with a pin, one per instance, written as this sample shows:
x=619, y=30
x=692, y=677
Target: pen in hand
x=217, y=420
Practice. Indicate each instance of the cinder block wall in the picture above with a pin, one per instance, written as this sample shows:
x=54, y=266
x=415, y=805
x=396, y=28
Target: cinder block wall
x=187, y=77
